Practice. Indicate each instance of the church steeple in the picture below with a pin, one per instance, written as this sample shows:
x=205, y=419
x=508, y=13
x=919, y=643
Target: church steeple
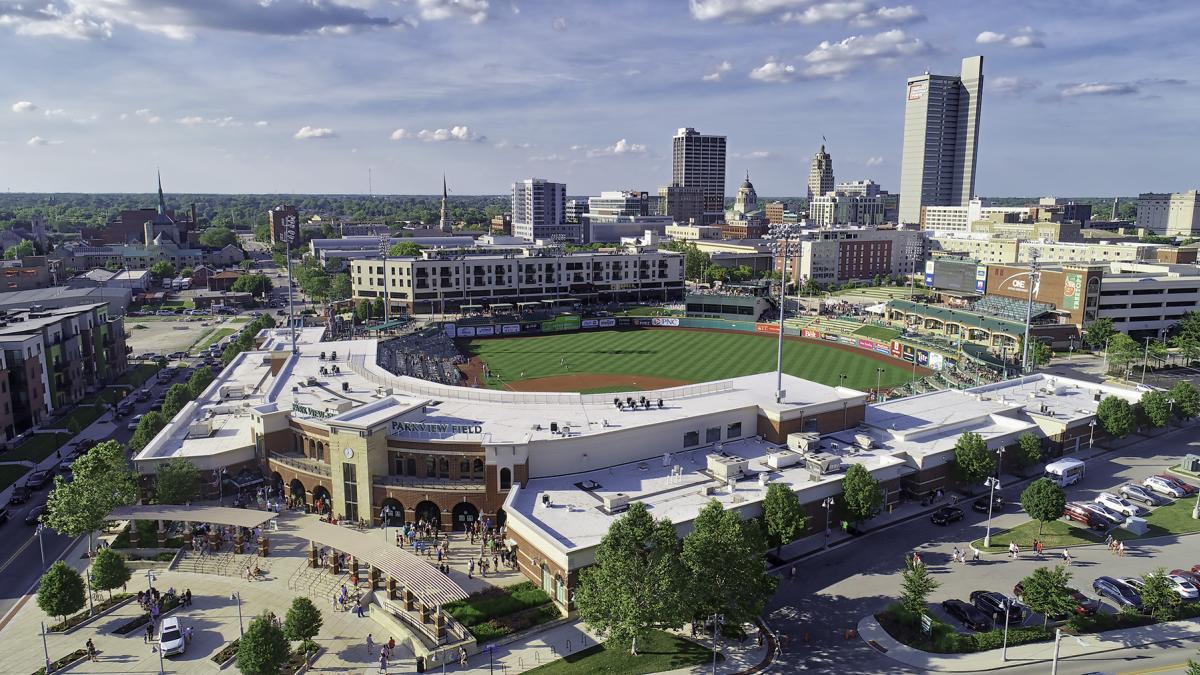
x=444, y=221
x=162, y=202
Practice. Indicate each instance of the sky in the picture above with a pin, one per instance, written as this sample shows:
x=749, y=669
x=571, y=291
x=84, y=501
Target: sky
x=1081, y=98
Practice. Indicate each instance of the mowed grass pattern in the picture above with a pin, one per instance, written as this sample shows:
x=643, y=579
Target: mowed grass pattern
x=692, y=356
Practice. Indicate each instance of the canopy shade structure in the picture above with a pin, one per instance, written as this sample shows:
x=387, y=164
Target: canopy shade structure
x=217, y=515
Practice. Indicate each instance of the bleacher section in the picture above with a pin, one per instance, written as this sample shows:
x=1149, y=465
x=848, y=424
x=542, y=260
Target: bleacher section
x=1010, y=308
x=428, y=354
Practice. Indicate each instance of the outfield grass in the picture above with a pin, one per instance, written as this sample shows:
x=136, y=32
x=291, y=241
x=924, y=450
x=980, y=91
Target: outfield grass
x=37, y=447
x=657, y=652
x=690, y=356
x=11, y=473
x=877, y=332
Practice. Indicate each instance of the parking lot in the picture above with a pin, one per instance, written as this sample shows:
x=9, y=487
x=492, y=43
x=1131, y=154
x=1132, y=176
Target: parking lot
x=164, y=335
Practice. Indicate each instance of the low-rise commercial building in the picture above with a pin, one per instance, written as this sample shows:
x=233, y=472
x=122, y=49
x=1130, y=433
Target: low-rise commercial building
x=24, y=274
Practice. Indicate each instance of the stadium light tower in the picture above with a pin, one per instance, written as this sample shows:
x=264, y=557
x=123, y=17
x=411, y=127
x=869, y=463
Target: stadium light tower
x=785, y=245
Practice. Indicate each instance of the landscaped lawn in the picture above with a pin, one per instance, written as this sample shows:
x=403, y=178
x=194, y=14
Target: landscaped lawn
x=1174, y=518
x=877, y=332
x=139, y=373
x=11, y=473
x=498, y=612
x=657, y=652
x=105, y=396
x=213, y=338
x=1056, y=534
x=685, y=355
x=37, y=447
x=79, y=418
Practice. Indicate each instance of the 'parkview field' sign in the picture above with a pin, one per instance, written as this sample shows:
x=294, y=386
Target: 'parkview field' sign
x=435, y=428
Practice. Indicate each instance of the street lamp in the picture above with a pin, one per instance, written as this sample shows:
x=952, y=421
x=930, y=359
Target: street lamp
x=150, y=579
x=238, y=596
x=717, y=621
x=878, y=379
x=786, y=244
x=828, y=504
x=1058, y=633
x=91, y=605
x=993, y=483
x=41, y=545
x=1091, y=433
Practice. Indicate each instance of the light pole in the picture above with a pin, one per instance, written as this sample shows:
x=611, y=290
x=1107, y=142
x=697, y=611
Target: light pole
x=289, y=235
x=238, y=596
x=45, y=647
x=1145, y=359
x=91, y=604
x=1004, y=646
x=992, y=482
x=158, y=650
x=717, y=620
x=1091, y=433
x=1106, y=354
x=150, y=579
x=1033, y=282
x=828, y=504
x=41, y=546
x=784, y=247
x=1058, y=633
x=878, y=380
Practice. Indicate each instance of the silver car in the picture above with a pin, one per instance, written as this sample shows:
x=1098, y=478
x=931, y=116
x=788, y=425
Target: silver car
x=171, y=639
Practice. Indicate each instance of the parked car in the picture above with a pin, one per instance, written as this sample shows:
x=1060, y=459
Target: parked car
x=38, y=480
x=981, y=504
x=1084, y=605
x=171, y=639
x=1077, y=513
x=1104, y=512
x=143, y=395
x=133, y=422
x=1139, y=493
x=1122, y=594
x=1164, y=487
x=1190, y=576
x=20, y=494
x=35, y=514
x=967, y=614
x=178, y=355
x=1119, y=505
x=946, y=515
x=1187, y=487
x=1184, y=586
x=995, y=605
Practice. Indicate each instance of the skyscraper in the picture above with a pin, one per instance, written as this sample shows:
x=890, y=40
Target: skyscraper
x=820, y=176
x=941, y=136
x=539, y=211
x=698, y=161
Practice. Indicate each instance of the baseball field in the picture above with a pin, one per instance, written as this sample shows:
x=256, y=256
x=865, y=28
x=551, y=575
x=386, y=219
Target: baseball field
x=607, y=361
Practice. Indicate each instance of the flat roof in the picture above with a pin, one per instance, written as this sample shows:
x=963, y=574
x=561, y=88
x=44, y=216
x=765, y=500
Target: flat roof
x=218, y=515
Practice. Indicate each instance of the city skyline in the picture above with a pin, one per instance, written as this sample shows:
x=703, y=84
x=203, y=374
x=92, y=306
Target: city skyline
x=310, y=97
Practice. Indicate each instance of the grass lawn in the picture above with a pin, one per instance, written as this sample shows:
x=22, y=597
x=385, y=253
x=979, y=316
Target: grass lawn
x=690, y=356
x=1056, y=534
x=213, y=338
x=106, y=396
x=1174, y=518
x=37, y=447
x=657, y=652
x=497, y=612
x=184, y=303
x=11, y=473
x=877, y=332
x=79, y=418
x=138, y=374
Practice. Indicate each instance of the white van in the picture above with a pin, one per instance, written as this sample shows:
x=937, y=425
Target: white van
x=1065, y=471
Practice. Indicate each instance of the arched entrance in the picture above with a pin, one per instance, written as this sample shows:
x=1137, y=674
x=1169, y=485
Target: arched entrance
x=277, y=484
x=391, y=512
x=297, y=491
x=428, y=512
x=320, y=493
x=464, y=515
x=501, y=516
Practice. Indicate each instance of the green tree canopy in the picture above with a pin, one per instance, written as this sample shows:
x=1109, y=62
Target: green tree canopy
x=178, y=396
x=263, y=648
x=217, y=237
x=638, y=581
x=1122, y=352
x=200, y=379
x=1186, y=398
x=1098, y=333
x=162, y=269
x=916, y=585
x=1043, y=501
x=60, y=591
x=1046, y=591
x=406, y=249
x=1040, y=354
x=302, y=621
x=786, y=519
x=728, y=554
x=1116, y=416
x=20, y=250
x=257, y=285
x=1159, y=598
x=973, y=459
x=861, y=493
x=109, y=571
x=362, y=310
x=1156, y=406
x=149, y=426
x=176, y=482
x=102, y=482
x=1029, y=450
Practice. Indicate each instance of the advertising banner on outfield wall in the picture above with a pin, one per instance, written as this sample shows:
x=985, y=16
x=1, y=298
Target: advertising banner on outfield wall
x=640, y=321
x=531, y=328
x=449, y=329
x=623, y=322
x=510, y=329
x=666, y=321
x=608, y=323
x=923, y=357
x=866, y=344
x=772, y=328
x=485, y=331
x=810, y=333
x=590, y=323
x=936, y=361
x=897, y=349
x=882, y=348
x=466, y=331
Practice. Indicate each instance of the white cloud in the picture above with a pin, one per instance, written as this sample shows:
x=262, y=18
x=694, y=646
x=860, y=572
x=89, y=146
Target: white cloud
x=827, y=11
x=706, y=10
x=24, y=107
x=307, y=132
x=858, y=13
x=1006, y=85
x=888, y=16
x=261, y=123
x=401, y=134
x=834, y=59
x=874, y=161
x=504, y=144
x=1026, y=38
x=38, y=140
x=456, y=133
x=146, y=115
x=547, y=158
x=1098, y=89
x=475, y=11
x=196, y=120
x=718, y=72
x=755, y=154
x=988, y=37
x=621, y=147
x=559, y=24
x=774, y=71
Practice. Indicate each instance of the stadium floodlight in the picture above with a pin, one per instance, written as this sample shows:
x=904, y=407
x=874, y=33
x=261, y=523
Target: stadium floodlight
x=785, y=244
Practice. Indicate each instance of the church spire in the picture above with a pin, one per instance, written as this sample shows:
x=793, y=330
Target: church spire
x=162, y=202
x=444, y=222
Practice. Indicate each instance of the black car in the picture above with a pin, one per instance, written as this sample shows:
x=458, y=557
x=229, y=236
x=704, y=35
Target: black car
x=967, y=614
x=981, y=504
x=35, y=514
x=995, y=605
x=946, y=515
x=1118, y=592
x=38, y=480
x=20, y=494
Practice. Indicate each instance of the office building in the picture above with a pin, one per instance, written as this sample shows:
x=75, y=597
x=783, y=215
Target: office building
x=1174, y=214
x=575, y=211
x=24, y=274
x=959, y=218
x=773, y=211
x=837, y=255
x=835, y=208
x=277, y=219
x=501, y=224
x=698, y=161
x=685, y=205
x=941, y=135
x=620, y=214
x=539, y=212
x=693, y=232
x=820, y=174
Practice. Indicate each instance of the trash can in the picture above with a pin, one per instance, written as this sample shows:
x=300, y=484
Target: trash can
x=420, y=664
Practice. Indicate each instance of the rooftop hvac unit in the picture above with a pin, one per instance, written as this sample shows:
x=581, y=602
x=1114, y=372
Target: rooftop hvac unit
x=311, y=381
x=200, y=429
x=784, y=459
x=381, y=391
x=232, y=391
x=823, y=463
x=863, y=441
x=616, y=503
x=727, y=468
x=804, y=441
x=707, y=491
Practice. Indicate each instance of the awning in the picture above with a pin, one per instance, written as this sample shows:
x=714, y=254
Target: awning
x=217, y=515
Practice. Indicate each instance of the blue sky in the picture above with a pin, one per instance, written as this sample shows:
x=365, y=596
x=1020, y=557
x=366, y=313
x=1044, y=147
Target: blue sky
x=1090, y=97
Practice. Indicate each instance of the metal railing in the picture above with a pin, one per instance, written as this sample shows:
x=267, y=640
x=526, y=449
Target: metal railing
x=301, y=463
x=471, y=485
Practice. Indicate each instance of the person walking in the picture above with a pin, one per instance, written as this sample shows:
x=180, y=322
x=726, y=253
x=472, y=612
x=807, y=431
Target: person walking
x=391, y=645
x=91, y=650
x=955, y=556
x=462, y=657
x=1121, y=549
x=1066, y=554
x=149, y=632
x=383, y=662
x=370, y=645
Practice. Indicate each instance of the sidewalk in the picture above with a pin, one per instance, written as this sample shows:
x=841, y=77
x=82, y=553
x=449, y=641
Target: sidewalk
x=1023, y=655
x=97, y=431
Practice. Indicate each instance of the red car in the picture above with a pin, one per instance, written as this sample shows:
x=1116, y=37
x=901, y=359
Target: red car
x=1193, y=576
x=1187, y=488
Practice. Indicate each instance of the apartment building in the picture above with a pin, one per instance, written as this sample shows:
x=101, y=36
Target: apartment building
x=539, y=211
x=435, y=282
x=837, y=255
x=617, y=214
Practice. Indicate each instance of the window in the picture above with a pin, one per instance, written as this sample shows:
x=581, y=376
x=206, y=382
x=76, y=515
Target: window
x=410, y=465
x=430, y=467
x=691, y=438
x=712, y=435
x=477, y=468
x=350, y=486
x=443, y=467
x=464, y=467
x=733, y=430
x=505, y=478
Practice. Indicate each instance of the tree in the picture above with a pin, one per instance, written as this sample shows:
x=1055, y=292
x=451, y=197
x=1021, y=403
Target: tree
x=257, y=285
x=861, y=493
x=1188, y=346
x=1186, y=398
x=915, y=586
x=102, y=482
x=1029, y=451
x=177, y=397
x=109, y=571
x=60, y=591
x=217, y=237
x=728, y=553
x=377, y=308
x=1156, y=406
x=152, y=423
x=176, y=481
x=340, y=287
x=302, y=621
x=162, y=269
x=247, y=264
x=20, y=250
x=1040, y=354
x=1116, y=416
x=975, y=462
x=200, y=379
x=263, y=648
x=1122, y=351
x=1043, y=501
x=1098, y=333
x=1159, y=598
x=1156, y=350
x=786, y=519
x=1046, y=592
x=406, y=249
x=362, y=310
x=638, y=581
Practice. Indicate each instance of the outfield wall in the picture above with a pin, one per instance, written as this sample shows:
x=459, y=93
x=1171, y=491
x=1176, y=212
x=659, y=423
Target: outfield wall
x=897, y=349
